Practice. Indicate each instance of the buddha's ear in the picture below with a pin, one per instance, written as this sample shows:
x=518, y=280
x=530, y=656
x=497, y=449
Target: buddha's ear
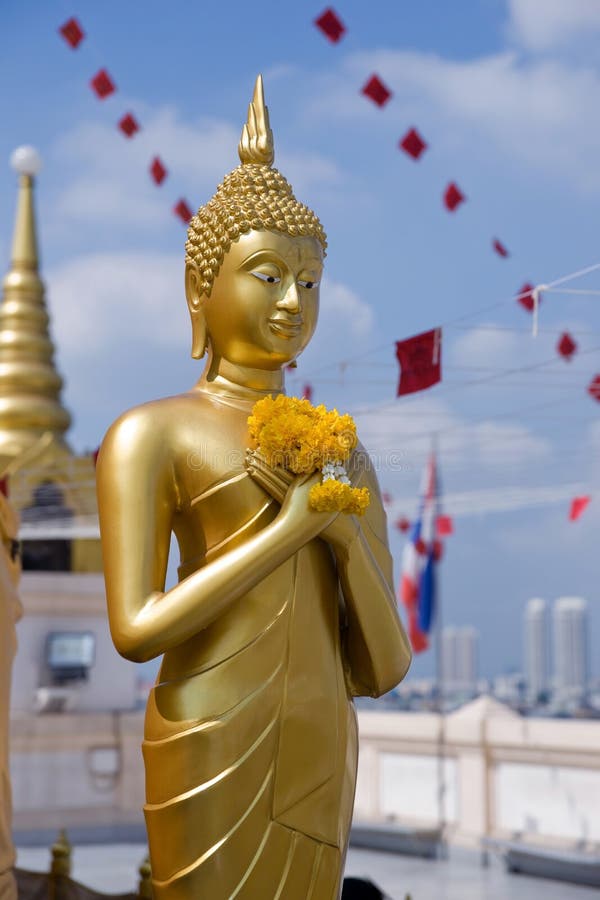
x=194, y=302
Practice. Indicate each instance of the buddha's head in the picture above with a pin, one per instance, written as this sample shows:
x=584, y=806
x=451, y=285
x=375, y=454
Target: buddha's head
x=254, y=258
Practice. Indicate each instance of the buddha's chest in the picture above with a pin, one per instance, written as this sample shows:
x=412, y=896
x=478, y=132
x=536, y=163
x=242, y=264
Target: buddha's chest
x=220, y=505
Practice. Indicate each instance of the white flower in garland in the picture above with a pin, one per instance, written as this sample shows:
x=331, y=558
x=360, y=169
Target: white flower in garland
x=336, y=472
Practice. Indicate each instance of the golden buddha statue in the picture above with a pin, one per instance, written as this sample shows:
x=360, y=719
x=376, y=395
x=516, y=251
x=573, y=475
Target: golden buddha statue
x=281, y=614
x=10, y=613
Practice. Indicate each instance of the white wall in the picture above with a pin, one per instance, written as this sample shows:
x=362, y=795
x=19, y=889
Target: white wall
x=549, y=800
x=504, y=774
x=409, y=788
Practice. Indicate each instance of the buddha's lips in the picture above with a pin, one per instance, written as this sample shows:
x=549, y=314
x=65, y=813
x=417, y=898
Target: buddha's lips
x=285, y=327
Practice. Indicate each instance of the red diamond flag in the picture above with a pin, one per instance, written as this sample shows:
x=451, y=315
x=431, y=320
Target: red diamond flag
x=453, y=197
x=72, y=32
x=331, y=25
x=594, y=388
x=499, y=248
x=413, y=144
x=102, y=84
x=128, y=125
x=566, y=346
x=403, y=524
x=420, y=359
x=158, y=172
x=525, y=296
x=578, y=504
x=444, y=526
x=307, y=392
x=182, y=210
x=376, y=91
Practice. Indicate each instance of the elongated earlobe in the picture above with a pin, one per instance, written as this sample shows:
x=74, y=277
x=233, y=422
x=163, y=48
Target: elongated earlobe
x=194, y=300
x=199, y=336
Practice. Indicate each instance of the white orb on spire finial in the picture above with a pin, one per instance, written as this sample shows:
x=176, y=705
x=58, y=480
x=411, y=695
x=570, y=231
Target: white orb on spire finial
x=26, y=160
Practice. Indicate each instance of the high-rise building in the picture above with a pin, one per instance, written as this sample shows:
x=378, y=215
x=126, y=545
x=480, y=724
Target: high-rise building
x=571, y=653
x=536, y=647
x=459, y=660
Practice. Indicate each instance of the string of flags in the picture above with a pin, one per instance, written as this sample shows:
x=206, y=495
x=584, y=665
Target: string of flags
x=420, y=356
x=444, y=524
x=416, y=373
x=412, y=143
x=103, y=85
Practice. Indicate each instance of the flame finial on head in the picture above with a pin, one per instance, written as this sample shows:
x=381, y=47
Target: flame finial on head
x=256, y=143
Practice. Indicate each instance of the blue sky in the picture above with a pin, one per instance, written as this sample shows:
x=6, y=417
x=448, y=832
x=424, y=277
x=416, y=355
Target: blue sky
x=506, y=93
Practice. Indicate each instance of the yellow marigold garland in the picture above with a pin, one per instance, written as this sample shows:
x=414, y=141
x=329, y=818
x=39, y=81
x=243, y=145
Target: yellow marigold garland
x=303, y=438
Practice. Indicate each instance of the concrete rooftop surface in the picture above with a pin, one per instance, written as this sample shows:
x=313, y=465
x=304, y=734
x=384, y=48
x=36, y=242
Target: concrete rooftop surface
x=113, y=868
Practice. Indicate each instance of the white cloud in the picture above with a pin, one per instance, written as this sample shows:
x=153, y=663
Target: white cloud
x=509, y=499
x=539, y=111
x=308, y=170
x=552, y=534
x=489, y=352
x=93, y=298
x=543, y=24
x=341, y=308
x=108, y=179
x=485, y=347
x=401, y=435
x=498, y=445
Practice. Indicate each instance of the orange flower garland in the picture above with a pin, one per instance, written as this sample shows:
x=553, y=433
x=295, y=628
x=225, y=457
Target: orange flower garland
x=303, y=439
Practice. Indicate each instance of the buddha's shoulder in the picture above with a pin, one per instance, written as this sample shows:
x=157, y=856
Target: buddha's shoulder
x=164, y=422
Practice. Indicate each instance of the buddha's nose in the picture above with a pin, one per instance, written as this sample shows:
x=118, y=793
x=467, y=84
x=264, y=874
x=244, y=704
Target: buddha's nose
x=290, y=300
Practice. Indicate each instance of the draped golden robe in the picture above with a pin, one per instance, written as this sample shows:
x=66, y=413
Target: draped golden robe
x=250, y=741
x=279, y=813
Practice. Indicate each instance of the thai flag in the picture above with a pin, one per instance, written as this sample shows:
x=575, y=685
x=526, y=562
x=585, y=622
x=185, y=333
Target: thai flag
x=421, y=553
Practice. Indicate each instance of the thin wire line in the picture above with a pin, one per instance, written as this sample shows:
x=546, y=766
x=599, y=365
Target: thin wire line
x=478, y=381
x=451, y=323
x=466, y=368
x=570, y=291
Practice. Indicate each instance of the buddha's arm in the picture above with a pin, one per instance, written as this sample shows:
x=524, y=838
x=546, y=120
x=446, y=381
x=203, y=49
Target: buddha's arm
x=377, y=650
x=137, y=498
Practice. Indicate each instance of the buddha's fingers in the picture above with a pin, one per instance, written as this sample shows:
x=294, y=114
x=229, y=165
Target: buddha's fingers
x=284, y=476
x=268, y=484
x=280, y=485
x=275, y=481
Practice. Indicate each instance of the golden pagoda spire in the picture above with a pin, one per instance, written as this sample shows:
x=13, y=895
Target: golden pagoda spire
x=30, y=386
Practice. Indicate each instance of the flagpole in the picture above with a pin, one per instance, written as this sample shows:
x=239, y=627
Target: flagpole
x=440, y=691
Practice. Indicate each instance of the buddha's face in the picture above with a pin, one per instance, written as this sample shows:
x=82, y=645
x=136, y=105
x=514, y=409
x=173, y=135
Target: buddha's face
x=264, y=303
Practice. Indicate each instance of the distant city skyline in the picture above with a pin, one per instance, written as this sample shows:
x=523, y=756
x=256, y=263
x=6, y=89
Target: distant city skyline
x=459, y=659
x=571, y=649
x=536, y=649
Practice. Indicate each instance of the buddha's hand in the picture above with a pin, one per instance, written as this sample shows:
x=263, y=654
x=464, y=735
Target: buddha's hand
x=292, y=492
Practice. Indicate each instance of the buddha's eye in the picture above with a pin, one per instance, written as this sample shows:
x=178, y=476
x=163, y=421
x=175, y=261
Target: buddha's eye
x=309, y=285
x=269, y=277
